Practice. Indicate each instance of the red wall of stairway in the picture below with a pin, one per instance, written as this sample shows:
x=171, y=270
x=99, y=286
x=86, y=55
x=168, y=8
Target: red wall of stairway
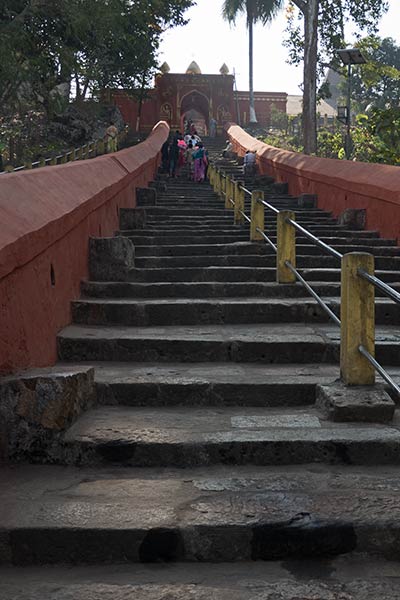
x=339, y=184
x=46, y=219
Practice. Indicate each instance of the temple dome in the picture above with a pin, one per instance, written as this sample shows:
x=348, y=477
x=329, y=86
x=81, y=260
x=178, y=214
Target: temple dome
x=193, y=69
x=224, y=70
x=165, y=68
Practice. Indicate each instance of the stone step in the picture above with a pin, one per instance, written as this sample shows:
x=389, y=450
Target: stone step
x=171, y=236
x=216, y=311
x=347, y=578
x=240, y=274
x=93, y=289
x=275, y=343
x=57, y=515
x=187, y=436
x=252, y=260
x=216, y=384
x=243, y=248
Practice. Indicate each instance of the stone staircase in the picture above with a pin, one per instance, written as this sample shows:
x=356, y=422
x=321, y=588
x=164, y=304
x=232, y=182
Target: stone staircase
x=206, y=445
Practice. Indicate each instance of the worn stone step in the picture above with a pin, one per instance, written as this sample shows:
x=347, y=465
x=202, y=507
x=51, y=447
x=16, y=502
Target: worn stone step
x=269, y=260
x=217, y=384
x=275, y=343
x=244, y=248
x=350, y=578
x=188, y=436
x=218, y=311
x=56, y=515
x=94, y=289
x=240, y=274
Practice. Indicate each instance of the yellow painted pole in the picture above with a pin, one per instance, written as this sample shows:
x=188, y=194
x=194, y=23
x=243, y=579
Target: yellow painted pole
x=42, y=162
x=53, y=161
x=72, y=156
x=229, y=193
x=239, y=203
x=79, y=153
x=257, y=216
x=357, y=313
x=63, y=159
x=286, y=244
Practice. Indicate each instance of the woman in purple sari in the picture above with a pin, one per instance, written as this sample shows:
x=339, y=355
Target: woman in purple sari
x=200, y=163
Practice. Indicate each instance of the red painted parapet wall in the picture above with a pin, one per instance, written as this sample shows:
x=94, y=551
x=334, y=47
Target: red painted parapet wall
x=46, y=219
x=339, y=184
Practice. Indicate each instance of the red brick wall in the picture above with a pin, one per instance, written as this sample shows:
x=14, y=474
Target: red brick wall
x=46, y=218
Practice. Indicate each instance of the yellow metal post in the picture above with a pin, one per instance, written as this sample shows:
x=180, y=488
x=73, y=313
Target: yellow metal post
x=239, y=203
x=286, y=244
x=216, y=181
x=257, y=216
x=229, y=193
x=42, y=162
x=210, y=174
x=53, y=161
x=357, y=319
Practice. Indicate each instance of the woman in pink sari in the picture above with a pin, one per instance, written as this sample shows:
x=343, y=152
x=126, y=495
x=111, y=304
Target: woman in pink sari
x=200, y=163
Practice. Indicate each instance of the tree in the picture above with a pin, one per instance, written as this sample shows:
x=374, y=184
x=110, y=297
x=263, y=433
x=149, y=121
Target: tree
x=377, y=83
x=95, y=43
x=315, y=43
x=256, y=11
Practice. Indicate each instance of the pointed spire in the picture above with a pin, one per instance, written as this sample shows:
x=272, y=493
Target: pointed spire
x=165, y=68
x=193, y=69
x=224, y=70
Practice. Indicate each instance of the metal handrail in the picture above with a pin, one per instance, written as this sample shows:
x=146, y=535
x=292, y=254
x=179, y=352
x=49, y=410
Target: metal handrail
x=245, y=216
x=381, y=285
x=275, y=210
x=267, y=239
x=314, y=294
x=316, y=240
x=246, y=191
x=372, y=279
x=384, y=374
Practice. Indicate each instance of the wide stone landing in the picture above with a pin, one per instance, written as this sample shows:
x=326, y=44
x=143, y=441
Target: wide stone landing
x=335, y=579
x=54, y=515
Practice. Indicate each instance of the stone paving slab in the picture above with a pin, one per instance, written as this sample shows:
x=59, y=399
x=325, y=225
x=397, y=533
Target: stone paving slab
x=336, y=579
x=55, y=515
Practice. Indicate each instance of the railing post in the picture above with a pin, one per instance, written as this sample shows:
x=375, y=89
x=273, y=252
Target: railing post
x=217, y=182
x=357, y=319
x=257, y=215
x=239, y=203
x=229, y=193
x=210, y=174
x=286, y=247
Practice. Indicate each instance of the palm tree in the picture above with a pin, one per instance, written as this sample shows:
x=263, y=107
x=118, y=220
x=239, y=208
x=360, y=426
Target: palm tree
x=256, y=11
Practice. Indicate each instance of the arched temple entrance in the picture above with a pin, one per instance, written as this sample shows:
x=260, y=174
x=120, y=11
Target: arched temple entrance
x=196, y=106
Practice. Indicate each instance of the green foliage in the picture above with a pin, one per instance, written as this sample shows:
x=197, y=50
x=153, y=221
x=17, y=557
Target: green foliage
x=95, y=43
x=255, y=10
x=377, y=83
x=376, y=139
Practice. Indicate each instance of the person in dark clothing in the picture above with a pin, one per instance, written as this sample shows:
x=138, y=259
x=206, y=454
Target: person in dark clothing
x=173, y=156
x=165, y=156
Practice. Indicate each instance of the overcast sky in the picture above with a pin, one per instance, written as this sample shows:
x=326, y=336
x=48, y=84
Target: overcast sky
x=210, y=41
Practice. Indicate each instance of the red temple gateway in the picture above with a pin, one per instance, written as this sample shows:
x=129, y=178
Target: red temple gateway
x=198, y=97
